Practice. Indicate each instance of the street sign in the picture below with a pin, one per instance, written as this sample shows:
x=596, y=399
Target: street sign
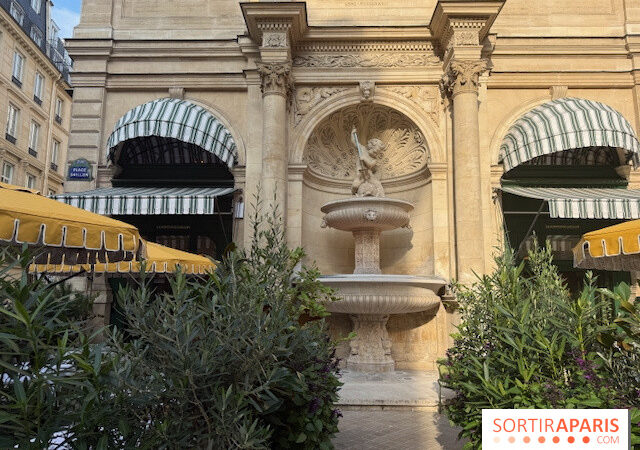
x=79, y=170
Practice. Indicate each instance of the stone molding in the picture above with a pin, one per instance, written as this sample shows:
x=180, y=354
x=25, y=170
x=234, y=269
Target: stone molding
x=276, y=78
x=462, y=75
x=386, y=60
x=420, y=46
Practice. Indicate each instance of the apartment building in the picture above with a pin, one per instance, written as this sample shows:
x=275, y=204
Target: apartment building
x=35, y=98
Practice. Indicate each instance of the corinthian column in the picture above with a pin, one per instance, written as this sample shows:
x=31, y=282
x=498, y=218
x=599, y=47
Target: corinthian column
x=462, y=82
x=276, y=86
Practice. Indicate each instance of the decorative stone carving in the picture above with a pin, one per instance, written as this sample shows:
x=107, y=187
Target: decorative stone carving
x=370, y=350
x=367, y=89
x=428, y=98
x=465, y=38
x=307, y=98
x=463, y=75
x=329, y=150
x=276, y=78
x=558, y=91
x=369, y=60
x=367, y=183
x=176, y=92
x=371, y=215
x=274, y=39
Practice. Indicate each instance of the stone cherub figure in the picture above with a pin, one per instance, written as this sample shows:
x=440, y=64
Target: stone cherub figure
x=367, y=183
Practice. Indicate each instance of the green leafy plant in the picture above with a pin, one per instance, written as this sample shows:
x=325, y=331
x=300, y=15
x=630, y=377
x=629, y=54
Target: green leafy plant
x=224, y=361
x=217, y=362
x=524, y=342
x=49, y=368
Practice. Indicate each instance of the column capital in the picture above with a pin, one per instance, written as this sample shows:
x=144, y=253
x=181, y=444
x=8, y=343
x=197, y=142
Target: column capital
x=276, y=78
x=462, y=75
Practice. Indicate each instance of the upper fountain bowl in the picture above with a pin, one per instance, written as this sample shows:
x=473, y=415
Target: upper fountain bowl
x=367, y=213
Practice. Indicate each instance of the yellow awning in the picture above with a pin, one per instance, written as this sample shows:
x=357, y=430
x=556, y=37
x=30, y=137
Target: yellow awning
x=65, y=234
x=612, y=248
x=160, y=259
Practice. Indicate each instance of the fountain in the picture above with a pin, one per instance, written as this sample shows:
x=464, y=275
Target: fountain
x=367, y=295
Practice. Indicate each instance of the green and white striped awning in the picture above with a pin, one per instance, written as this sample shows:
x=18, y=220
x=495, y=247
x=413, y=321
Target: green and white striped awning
x=584, y=203
x=147, y=200
x=566, y=124
x=175, y=119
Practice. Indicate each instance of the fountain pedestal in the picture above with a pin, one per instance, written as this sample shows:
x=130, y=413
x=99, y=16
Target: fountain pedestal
x=371, y=348
x=368, y=296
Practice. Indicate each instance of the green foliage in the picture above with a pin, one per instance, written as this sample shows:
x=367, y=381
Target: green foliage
x=47, y=363
x=217, y=362
x=223, y=362
x=525, y=343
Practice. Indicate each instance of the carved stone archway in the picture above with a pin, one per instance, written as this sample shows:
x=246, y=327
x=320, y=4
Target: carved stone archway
x=424, y=111
x=329, y=152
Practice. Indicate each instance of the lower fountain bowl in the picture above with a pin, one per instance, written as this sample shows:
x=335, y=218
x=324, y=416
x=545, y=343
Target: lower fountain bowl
x=383, y=294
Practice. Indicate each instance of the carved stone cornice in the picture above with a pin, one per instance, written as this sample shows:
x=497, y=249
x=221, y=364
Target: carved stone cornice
x=263, y=17
x=462, y=75
x=276, y=78
x=460, y=26
x=419, y=46
x=382, y=59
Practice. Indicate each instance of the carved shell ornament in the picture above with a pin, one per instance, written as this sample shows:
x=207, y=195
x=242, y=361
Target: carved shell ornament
x=330, y=152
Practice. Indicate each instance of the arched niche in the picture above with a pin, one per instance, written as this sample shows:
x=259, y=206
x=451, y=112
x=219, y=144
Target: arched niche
x=330, y=160
x=426, y=114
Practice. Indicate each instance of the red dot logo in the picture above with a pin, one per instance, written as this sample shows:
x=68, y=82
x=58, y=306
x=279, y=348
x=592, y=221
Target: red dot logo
x=556, y=439
x=527, y=439
x=585, y=439
x=571, y=439
x=541, y=439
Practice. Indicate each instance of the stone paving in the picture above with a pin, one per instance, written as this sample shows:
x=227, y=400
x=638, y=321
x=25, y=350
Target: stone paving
x=408, y=388
x=395, y=429
x=393, y=410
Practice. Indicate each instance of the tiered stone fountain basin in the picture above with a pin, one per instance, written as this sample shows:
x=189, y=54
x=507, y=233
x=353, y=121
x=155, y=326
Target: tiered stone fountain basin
x=368, y=295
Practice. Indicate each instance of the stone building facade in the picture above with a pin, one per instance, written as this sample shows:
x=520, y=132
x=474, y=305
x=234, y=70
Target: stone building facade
x=35, y=104
x=441, y=83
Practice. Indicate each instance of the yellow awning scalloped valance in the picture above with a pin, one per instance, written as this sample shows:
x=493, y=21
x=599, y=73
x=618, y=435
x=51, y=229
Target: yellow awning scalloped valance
x=64, y=234
x=160, y=259
x=612, y=248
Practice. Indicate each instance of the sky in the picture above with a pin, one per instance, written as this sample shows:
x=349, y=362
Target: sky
x=66, y=13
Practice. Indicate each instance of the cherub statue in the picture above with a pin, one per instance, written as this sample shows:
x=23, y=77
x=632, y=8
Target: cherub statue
x=367, y=183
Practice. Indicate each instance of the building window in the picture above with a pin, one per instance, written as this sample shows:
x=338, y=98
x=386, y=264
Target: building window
x=34, y=135
x=36, y=35
x=12, y=123
x=31, y=181
x=52, y=192
x=17, y=12
x=37, y=88
x=55, y=152
x=59, y=104
x=7, y=173
x=18, y=68
x=36, y=5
